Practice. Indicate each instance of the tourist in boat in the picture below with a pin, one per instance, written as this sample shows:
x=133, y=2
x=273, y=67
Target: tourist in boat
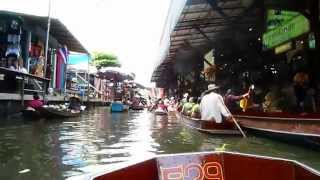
x=172, y=104
x=135, y=101
x=36, y=102
x=166, y=101
x=185, y=98
x=212, y=106
x=187, y=107
x=195, y=111
x=231, y=100
x=182, y=101
x=161, y=106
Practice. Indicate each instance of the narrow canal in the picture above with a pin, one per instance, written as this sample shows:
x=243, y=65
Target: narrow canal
x=100, y=140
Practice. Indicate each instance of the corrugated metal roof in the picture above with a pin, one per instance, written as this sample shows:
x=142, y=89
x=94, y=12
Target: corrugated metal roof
x=202, y=23
x=58, y=30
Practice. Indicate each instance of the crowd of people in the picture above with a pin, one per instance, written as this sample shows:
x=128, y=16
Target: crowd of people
x=210, y=106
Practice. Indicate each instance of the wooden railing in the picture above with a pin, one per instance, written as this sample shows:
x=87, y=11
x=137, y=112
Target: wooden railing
x=23, y=78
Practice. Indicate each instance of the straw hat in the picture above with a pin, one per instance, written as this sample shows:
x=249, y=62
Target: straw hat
x=212, y=87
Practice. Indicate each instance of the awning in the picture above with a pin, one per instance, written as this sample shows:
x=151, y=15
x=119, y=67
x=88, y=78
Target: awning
x=203, y=25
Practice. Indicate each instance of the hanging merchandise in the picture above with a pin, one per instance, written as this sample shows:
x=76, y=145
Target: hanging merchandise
x=13, y=38
x=13, y=49
x=14, y=27
x=39, y=67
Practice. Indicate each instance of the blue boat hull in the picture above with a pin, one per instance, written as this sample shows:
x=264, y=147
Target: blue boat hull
x=118, y=107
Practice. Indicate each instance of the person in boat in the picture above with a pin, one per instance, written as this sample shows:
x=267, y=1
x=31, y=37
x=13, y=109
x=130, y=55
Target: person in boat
x=135, y=101
x=162, y=106
x=301, y=80
x=195, y=111
x=35, y=103
x=187, y=107
x=75, y=103
x=212, y=106
x=166, y=101
x=231, y=100
x=172, y=101
x=184, y=100
x=272, y=100
x=172, y=104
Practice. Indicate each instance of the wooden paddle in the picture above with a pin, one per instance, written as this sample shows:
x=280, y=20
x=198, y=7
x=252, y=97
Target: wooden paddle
x=234, y=120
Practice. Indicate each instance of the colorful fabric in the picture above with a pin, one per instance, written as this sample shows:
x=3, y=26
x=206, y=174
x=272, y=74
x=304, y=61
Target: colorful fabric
x=187, y=107
x=196, y=108
x=35, y=104
x=61, y=66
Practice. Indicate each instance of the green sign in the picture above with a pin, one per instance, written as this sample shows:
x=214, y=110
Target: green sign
x=276, y=18
x=292, y=29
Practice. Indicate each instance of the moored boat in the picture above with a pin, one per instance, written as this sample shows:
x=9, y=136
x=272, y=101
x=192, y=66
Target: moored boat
x=137, y=108
x=31, y=114
x=218, y=166
x=50, y=112
x=296, y=128
x=119, y=107
x=225, y=128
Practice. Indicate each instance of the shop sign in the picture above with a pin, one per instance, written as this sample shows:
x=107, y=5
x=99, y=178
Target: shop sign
x=283, y=48
x=294, y=28
x=276, y=18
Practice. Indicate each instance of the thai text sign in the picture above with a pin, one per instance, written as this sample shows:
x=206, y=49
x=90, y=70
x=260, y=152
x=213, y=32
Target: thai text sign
x=191, y=167
x=294, y=28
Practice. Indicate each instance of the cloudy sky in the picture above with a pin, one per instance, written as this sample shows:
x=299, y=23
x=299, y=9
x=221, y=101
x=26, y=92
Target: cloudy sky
x=129, y=29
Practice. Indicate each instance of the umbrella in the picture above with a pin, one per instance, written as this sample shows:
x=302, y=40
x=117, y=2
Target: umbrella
x=115, y=73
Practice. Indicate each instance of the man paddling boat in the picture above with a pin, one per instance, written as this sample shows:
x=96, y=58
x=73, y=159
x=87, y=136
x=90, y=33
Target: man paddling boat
x=212, y=107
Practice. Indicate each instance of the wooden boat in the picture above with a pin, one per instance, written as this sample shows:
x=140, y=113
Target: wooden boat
x=160, y=112
x=31, y=114
x=137, y=108
x=225, y=128
x=49, y=112
x=297, y=128
x=217, y=166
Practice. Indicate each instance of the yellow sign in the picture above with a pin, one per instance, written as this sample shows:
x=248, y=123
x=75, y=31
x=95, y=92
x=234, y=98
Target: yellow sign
x=283, y=48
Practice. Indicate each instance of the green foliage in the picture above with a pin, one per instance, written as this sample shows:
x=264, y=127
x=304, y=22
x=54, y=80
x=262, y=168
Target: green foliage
x=101, y=59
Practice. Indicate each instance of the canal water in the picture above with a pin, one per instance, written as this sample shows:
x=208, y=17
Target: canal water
x=99, y=140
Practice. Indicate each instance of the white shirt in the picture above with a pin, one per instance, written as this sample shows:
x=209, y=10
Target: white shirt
x=212, y=107
x=23, y=70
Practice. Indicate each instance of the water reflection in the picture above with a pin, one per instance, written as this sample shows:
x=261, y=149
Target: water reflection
x=100, y=140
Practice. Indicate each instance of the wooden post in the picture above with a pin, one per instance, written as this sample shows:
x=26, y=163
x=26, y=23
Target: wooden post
x=22, y=91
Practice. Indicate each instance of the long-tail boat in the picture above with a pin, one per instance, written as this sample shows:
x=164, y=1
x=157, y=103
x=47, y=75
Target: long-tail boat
x=297, y=128
x=225, y=128
x=48, y=112
x=160, y=112
x=217, y=166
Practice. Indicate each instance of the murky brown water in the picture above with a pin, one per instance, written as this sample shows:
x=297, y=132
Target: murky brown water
x=100, y=140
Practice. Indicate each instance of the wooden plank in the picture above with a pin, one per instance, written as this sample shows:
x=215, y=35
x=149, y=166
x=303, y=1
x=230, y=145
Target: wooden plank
x=17, y=73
